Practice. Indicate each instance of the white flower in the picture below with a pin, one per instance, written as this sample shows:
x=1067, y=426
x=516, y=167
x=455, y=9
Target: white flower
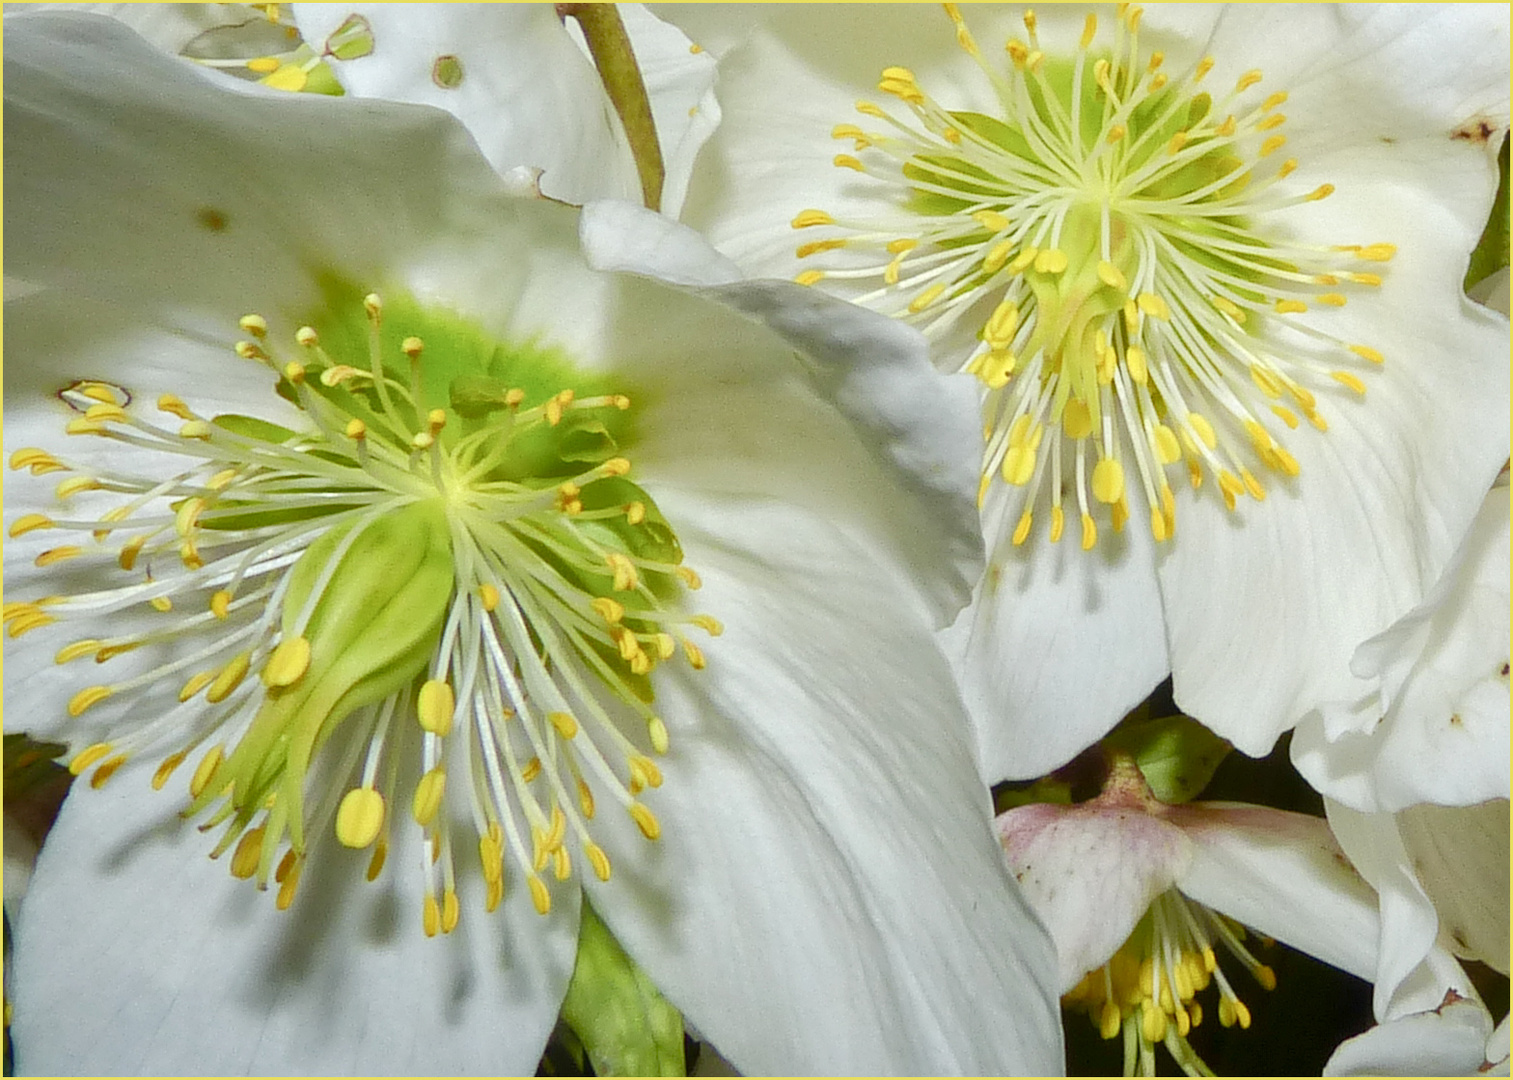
x=418, y=620
x=1198, y=257
x=1144, y=901
x=466, y=59
x=1454, y=1039
x=1433, y=728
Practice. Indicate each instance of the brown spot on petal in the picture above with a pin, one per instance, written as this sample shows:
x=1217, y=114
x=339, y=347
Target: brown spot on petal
x=1478, y=130
x=212, y=219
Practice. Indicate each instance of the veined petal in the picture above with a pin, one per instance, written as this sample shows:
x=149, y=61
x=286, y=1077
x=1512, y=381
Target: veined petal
x=1436, y=727
x=826, y=867
x=483, y=64
x=1283, y=874
x=1461, y=858
x=1046, y=618
x=1448, y=1041
x=187, y=966
x=1412, y=971
x=1091, y=872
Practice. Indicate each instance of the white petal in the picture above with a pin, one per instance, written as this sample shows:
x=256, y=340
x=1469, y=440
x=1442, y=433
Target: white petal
x=1449, y=1041
x=827, y=895
x=1091, y=872
x=137, y=954
x=528, y=95
x=624, y=236
x=1461, y=856
x=1438, y=731
x=1412, y=973
x=171, y=27
x=1283, y=874
x=1057, y=645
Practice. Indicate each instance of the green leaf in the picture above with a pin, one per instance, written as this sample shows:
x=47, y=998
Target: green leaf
x=1491, y=253
x=626, y=1025
x=1176, y=754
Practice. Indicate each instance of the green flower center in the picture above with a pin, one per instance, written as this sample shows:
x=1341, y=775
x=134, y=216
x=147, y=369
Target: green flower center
x=446, y=572
x=1109, y=238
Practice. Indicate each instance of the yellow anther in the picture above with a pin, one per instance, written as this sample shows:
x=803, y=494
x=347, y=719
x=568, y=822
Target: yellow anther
x=1272, y=122
x=195, y=683
x=1230, y=308
x=1274, y=100
x=690, y=577
x=1288, y=417
x=531, y=771
x=809, y=277
x=1290, y=307
x=1115, y=133
x=188, y=515
x=997, y=255
x=623, y=571
x=289, y=870
x=76, y=650
x=1367, y=279
x=412, y=347
x=249, y=853
x=1058, y=523
x=306, y=337
x=229, y=678
x=1252, y=485
x=615, y=466
x=82, y=426
x=1023, y=259
x=288, y=664
x=422, y=440
x=644, y=771
x=645, y=820
x=161, y=603
x=998, y=331
x=709, y=624
x=205, y=771
x=694, y=654
x=610, y=611
x=1346, y=379
x=434, y=706
x=249, y=350
x=220, y=603
x=815, y=247
x=808, y=218
x=1089, y=532
x=540, y=897
x=451, y=911
x=1051, y=261
x=428, y=794
x=1266, y=977
x=175, y=406
x=88, y=756
x=373, y=304
x=635, y=512
x=926, y=298
x=585, y=798
x=1365, y=352
x=1022, y=530
x=488, y=596
x=165, y=770
x=263, y=65
x=106, y=771
x=294, y=371
x=1134, y=360
x=656, y=731
x=991, y=220
x=1246, y=81
x=1111, y=275
x=1204, y=429
x=360, y=817
x=1377, y=252
x=1272, y=144
x=1077, y=420
x=75, y=484
x=565, y=724
x=430, y=915
x=255, y=325
x=1158, y=524
x=1333, y=299
x=846, y=161
x=562, y=864
x=376, y=862
x=1108, y=481
x=1018, y=465
x=195, y=429
x=1153, y=306
x=994, y=367
x=436, y=419
x=1287, y=167
x=30, y=523
x=1176, y=143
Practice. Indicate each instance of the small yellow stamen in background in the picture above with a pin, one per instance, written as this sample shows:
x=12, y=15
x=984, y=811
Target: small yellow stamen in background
x=815, y=247
x=75, y=484
x=540, y=897
x=288, y=880
x=562, y=864
x=255, y=325
x=1365, y=352
x=805, y=219
x=645, y=820
x=451, y=911
x=205, y=771
x=106, y=771
x=306, y=337
x=565, y=724
x=430, y=916
x=1377, y=252
x=29, y=523
x=373, y=304
x=1366, y=279
x=644, y=772
x=376, y=863
x=1245, y=82
x=635, y=512
x=1272, y=144
x=694, y=654
x=993, y=261
x=1115, y=133
x=229, y=678
x=195, y=683
x=294, y=371
x=1153, y=306
x=656, y=731
x=1272, y=122
x=1290, y=307
x=846, y=161
x=1051, y=261
x=165, y=770
x=926, y=298
x=83, y=427
x=1089, y=532
x=263, y=65
x=434, y=706
x=76, y=650
x=249, y=853
x=1025, y=257
x=174, y=406
x=810, y=277
x=422, y=440
x=991, y=220
x=195, y=429
x=623, y=571
x=531, y=771
x=1108, y=481
x=1134, y=360
x=1176, y=143
x=1111, y=275
x=1333, y=299
x=436, y=419
x=586, y=799
x=1252, y=485
x=85, y=699
x=597, y=859
x=161, y=603
x=428, y=793
x=1323, y=191
x=288, y=664
x=689, y=577
x=1353, y=382
x=488, y=596
x=88, y=756
x=709, y=624
x=220, y=603
x=1022, y=530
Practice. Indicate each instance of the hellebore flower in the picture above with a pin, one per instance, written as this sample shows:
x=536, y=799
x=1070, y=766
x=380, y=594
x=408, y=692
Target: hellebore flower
x=1454, y=1039
x=1205, y=264
x=401, y=585
x=1142, y=898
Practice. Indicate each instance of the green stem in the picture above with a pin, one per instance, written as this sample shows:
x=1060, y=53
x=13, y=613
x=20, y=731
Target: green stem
x=610, y=47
